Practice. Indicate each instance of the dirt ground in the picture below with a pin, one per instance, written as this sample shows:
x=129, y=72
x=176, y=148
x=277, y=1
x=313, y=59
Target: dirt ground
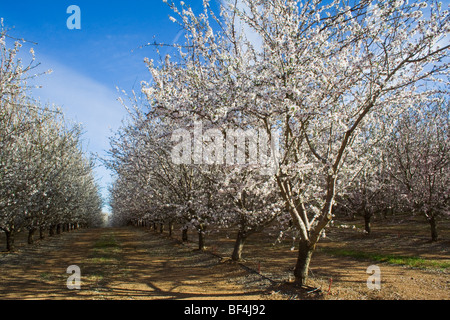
x=121, y=264
x=142, y=264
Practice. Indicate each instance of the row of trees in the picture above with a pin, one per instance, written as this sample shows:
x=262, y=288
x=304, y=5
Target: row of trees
x=353, y=94
x=412, y=170
x=46, y=181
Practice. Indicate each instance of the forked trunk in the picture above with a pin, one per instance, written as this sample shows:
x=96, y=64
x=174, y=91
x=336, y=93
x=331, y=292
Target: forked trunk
x=305, y=252
x=239, y=246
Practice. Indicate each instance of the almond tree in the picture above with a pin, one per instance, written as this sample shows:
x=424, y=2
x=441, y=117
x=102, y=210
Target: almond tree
x=17, y=120
x=248, y=205
x=327, y=76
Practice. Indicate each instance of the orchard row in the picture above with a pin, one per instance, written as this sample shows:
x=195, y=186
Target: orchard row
x=46, y=181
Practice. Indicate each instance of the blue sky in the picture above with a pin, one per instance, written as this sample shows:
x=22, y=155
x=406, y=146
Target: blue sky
x=89, y=64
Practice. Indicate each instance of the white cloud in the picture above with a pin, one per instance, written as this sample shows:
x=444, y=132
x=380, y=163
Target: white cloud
x=84, y=101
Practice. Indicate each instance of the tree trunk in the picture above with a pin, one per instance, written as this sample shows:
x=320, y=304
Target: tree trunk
x=352, y=215
x=367, y=227
x=239, y=246
x=58, y=229
x=184, y=235
x=385, y=213
x=10, y=241
x=201, y=240
x=305, y=252
x=41, y=233
x=161, y=228
x=434, y=233
x=51, y=231
x=31, y=235
x=170, y=228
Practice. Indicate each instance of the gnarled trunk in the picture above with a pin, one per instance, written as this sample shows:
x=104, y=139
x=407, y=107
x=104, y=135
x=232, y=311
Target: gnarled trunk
x=305, y=252
x=239, y=246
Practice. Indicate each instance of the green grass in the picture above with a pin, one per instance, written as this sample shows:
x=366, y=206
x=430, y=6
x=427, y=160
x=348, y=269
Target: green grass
x=414, y=262
x=45, y=276
x=102, y=260
x=105, y=250
x=104, y=255
x=96, y=277
x=106, y=242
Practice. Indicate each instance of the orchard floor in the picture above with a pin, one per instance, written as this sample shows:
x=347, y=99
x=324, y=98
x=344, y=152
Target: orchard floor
x=136, y=264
